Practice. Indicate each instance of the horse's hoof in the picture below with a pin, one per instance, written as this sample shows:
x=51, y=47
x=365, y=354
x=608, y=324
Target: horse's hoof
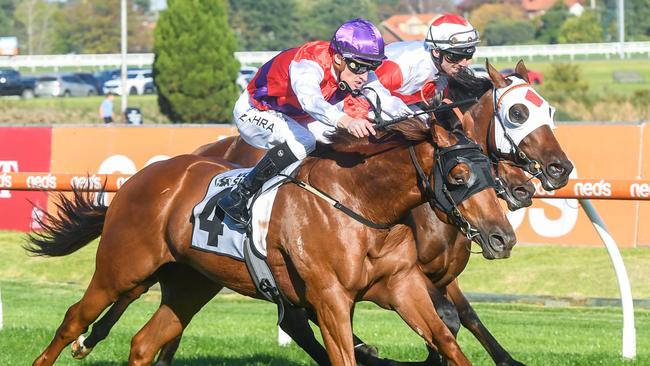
x=367, y=349
x=79, y=351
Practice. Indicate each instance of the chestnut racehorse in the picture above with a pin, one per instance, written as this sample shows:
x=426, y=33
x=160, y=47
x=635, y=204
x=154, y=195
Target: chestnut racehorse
x=437, y=242
x=148, y=225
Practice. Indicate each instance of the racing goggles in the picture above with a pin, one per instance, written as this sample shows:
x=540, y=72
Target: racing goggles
x=454, y=58
x=360, y=67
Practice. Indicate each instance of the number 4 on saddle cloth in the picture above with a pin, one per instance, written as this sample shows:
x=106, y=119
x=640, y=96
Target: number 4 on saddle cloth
x=215, y=232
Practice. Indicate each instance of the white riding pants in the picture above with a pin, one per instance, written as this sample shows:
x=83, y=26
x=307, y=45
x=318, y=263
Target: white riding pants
x=267, y=129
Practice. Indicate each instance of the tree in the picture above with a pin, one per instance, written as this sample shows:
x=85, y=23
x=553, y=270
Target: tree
x=488, y=13
x=7, y=8
x=325, y=16
x=583, y=29
x=637, y=20
x=264, y=25
x=89, y=26
x=194, y=66
x=93, y=26
x=36, y=17
x=565, y=81
x=142, y=6
x=551, y=22
x=509, y=32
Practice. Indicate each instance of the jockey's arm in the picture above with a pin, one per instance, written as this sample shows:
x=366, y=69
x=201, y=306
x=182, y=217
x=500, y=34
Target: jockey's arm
x=306, y=77
x=392, y=106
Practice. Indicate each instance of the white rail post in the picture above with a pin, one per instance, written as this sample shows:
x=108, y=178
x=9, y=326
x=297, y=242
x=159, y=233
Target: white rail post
x=629, y=330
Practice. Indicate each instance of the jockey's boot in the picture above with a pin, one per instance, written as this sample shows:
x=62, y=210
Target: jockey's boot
x=234, y=204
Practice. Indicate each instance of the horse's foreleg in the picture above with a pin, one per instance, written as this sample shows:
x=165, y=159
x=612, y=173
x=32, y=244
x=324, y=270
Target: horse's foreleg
x=411, y=300
x=168, y=351
x=471, y=321
x=333, y=308
x=163, y=327
x=82, y=347
x=295, y=324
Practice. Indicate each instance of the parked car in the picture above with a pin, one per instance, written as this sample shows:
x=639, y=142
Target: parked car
x=246, y=74
x=29, y=85
x=12, y=83
x=135, y=82
x=63, y=85
x=534, y=77
x=479, y=71
x=106, y=75
x=90, y=79
x=150, y=88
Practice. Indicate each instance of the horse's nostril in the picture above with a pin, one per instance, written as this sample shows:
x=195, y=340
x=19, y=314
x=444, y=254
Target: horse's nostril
x=522, y=194
x=556, y=170
x=497, y=242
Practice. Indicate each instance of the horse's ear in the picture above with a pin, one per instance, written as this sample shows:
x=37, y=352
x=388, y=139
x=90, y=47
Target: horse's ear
x=497, y=79
x=522, y=70
x=441, y=137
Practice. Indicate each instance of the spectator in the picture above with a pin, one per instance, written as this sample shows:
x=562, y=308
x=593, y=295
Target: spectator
x=106, y=109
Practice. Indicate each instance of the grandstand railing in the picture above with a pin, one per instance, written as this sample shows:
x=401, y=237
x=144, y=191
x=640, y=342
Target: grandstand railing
x=259, y=57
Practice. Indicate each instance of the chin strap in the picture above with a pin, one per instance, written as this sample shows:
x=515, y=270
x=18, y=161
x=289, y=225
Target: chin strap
x=344, y=86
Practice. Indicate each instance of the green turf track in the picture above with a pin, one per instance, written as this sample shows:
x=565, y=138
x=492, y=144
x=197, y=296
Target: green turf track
x=232, y=330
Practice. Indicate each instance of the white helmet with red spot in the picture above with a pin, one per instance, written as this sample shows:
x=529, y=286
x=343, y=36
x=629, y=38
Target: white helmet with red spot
x=452, y=33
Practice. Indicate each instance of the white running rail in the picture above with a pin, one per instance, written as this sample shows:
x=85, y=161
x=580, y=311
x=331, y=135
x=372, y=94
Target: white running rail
x=629, y=330
x=259, y=57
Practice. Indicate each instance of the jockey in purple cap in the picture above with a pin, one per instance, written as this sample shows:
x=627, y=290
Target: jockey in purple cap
x=301, y=94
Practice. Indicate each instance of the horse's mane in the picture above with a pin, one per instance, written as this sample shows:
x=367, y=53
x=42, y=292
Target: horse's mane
x=465, y=85
x=412, y=129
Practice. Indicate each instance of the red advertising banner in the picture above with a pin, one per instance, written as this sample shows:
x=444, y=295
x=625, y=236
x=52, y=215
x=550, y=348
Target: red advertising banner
x=22, y=149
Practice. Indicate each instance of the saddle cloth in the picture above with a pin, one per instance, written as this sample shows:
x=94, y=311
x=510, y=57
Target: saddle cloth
x=212, y=232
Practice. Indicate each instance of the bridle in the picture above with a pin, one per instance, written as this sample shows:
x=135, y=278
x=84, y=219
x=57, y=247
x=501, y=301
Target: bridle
x=446, y=196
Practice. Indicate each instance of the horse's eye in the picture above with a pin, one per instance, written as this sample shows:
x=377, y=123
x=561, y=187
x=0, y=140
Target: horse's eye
x=459, y=176
x=518, y=113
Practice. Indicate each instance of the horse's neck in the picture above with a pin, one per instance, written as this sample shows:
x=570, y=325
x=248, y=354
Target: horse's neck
x=382, y=188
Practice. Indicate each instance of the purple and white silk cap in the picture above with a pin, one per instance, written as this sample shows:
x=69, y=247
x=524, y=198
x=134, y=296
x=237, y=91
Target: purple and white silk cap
x=359, y=39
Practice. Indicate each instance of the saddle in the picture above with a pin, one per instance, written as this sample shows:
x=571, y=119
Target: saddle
x=215, y=232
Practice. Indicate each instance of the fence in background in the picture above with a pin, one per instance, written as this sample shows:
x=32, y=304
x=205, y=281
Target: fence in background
x=529, y=52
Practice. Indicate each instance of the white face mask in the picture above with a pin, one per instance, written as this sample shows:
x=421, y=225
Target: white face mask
x=540, y=113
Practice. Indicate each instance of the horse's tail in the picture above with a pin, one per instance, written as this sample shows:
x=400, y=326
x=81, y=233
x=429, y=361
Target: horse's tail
x=79, y=221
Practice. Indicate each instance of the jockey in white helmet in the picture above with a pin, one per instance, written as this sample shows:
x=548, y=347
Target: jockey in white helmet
x=417, y=71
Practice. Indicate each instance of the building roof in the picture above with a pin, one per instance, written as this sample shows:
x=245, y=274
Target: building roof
x=543, y=5
x=407, y=27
